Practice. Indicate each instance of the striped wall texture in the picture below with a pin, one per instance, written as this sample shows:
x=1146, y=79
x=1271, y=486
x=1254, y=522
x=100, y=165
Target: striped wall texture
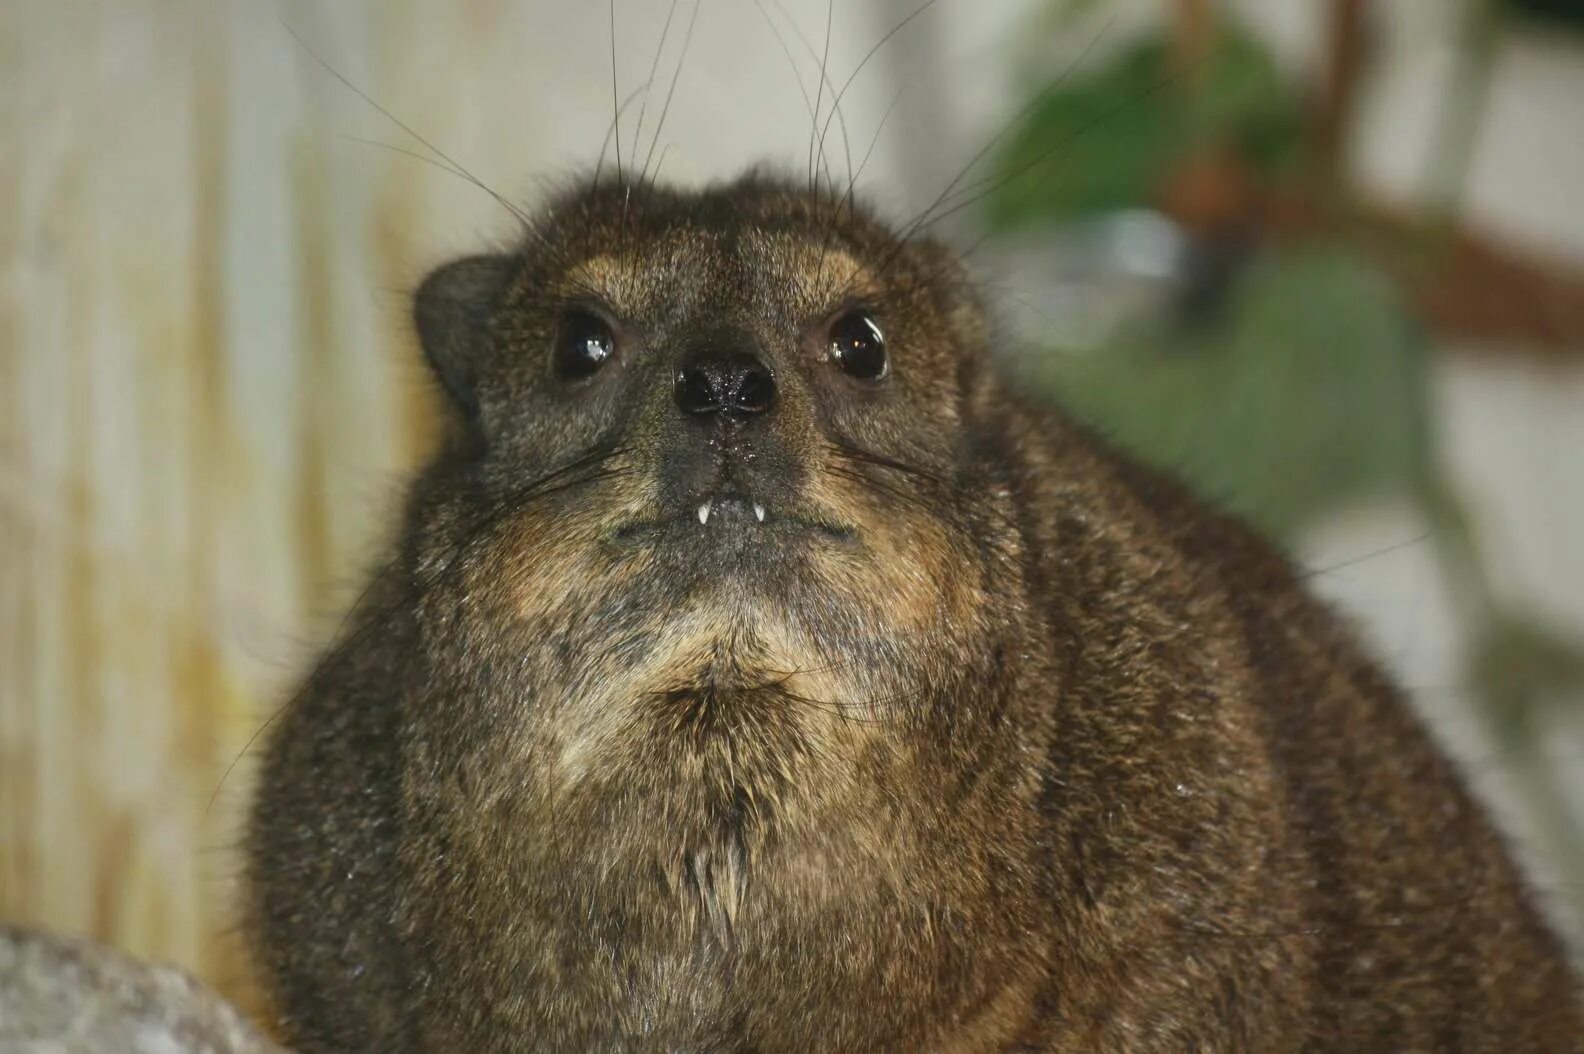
x=209, y=395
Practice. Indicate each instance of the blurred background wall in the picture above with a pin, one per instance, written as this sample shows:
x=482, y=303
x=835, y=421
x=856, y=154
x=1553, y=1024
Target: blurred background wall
x=209, y=396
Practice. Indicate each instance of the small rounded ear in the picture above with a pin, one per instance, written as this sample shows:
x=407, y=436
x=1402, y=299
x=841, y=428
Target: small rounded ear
x=452, y=309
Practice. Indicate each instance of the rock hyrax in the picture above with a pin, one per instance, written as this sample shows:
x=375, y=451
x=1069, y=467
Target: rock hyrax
x=760, y=671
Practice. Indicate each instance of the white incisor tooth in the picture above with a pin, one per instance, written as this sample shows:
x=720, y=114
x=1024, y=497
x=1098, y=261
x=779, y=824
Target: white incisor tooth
x=703, y=512
x=758, y=512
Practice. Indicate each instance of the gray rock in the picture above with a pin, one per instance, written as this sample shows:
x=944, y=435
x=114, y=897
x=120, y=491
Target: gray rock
x=65, y=996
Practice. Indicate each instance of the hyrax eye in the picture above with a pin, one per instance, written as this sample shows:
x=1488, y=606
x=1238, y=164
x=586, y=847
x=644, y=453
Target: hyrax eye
x=858, y=346
x=583, y=344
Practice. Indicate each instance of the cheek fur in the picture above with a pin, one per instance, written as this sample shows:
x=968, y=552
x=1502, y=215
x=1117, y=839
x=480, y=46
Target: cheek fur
x=908, y=573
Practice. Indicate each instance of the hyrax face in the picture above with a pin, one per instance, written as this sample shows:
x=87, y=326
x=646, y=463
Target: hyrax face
x=713, y=527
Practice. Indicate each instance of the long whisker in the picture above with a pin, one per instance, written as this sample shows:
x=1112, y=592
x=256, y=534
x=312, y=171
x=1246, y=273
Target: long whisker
x=665, y=111
x=837, y=113
x=399, y=123
x=808, y=101
x=852, y=182
x=900, y=496
x=593, y=457
x=414, y=154
x=847, y=199
x=978, y=191
x=654, y=177
x=610, y=129
x=922, y=219
x=819, y=94
x=813, y=53
x=848, y=712
x=856, y=453
x=654, y=67
x=778, y=681
x=873, y=50
x=851, y=463
x=981, y=190
x=616, y=115
x=530, y=229
x=555, y=482
x=836, y=110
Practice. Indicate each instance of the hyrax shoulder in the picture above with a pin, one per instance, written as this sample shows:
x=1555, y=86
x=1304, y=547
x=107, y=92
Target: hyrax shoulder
x=759, y=671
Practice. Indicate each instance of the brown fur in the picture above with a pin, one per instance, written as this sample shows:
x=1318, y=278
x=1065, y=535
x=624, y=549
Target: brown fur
x=997, y=742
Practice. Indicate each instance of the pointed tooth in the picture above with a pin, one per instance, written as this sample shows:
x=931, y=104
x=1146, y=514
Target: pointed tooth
x=758, y=512
x=703, y=512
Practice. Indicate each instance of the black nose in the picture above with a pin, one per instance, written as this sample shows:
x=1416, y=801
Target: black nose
x=736, y=385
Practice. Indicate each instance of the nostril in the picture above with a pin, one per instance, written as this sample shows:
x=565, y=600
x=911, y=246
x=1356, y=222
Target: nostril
x=756, y=390
x=696, y=391
x=734, y=385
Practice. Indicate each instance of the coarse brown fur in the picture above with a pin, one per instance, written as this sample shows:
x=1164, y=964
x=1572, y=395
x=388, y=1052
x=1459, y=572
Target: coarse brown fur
x=987, y=739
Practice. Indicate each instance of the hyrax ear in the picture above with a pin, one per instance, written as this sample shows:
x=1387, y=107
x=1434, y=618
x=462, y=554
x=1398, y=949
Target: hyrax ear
x=452, y=309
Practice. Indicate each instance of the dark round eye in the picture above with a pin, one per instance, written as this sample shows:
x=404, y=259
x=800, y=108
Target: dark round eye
x=858, y=346
x=583, y=345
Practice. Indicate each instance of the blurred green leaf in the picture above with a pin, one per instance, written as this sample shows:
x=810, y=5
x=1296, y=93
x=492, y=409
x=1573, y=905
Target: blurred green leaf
x=1313, y=392
x=1106, y=140
x=1128, y=134
x=1241, y=98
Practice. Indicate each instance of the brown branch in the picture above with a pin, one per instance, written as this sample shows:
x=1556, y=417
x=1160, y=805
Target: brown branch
x=1468, y=286
x=1347, y=51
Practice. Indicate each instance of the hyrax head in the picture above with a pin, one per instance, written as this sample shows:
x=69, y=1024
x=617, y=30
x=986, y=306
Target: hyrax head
x=745, y=404
x=715, y=532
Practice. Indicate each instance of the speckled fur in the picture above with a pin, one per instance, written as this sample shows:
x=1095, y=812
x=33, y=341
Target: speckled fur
x=1044, y=756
